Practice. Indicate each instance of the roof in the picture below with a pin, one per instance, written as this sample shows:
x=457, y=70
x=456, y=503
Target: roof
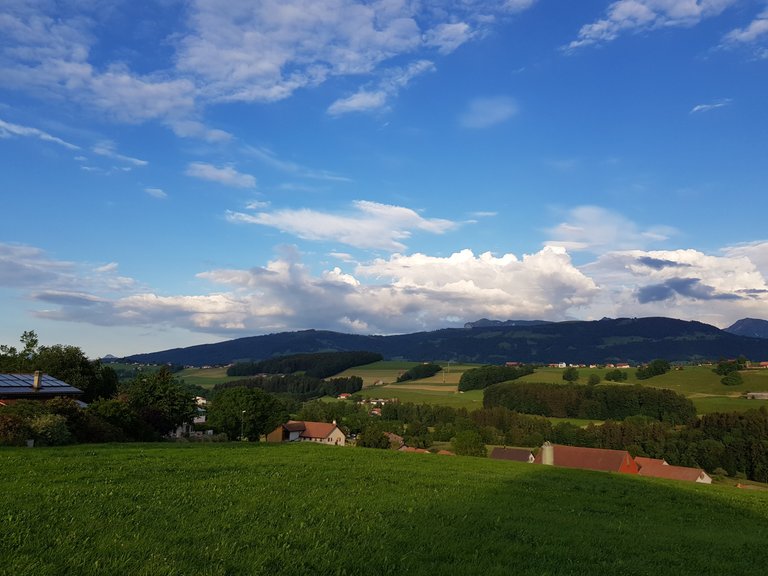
x=21, y=386
x=673, y=472
x=643, y=461
x=318, y=429
x=587, y=458
x=294, y=426
x=412, y=449
x=516, y=454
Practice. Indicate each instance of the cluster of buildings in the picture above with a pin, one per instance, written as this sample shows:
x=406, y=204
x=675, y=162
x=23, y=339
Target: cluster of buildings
x=602, y=459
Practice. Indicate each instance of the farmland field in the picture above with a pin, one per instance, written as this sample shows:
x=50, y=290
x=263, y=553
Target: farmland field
x=206, y=377
x=698, y=383
x=221, y=509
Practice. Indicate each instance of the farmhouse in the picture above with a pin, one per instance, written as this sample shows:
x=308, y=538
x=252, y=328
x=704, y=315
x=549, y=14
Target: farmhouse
x=660, y=469
x=514, y=454
x=586, y=458
x=302, y=431
x=37, y=386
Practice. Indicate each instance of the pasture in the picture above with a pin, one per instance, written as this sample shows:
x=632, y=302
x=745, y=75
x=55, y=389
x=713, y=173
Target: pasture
x=229, y=509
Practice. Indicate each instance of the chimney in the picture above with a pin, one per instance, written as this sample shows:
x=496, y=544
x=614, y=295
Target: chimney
x=548, y=454
x=37, y=380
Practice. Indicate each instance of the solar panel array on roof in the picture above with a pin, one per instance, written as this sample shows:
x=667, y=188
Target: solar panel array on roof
x=16, y=384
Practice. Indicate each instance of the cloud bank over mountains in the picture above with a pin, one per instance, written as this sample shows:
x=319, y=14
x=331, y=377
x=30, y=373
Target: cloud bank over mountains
x=404, y=292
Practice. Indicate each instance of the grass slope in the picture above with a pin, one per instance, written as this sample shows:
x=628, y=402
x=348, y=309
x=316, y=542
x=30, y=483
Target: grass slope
x=303, y=509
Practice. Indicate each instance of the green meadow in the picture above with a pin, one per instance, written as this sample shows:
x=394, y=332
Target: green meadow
x=206, y=377
x=231, y=509
x=698, y=383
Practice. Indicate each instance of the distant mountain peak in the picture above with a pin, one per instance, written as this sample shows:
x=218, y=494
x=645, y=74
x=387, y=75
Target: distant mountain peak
x=751, y=327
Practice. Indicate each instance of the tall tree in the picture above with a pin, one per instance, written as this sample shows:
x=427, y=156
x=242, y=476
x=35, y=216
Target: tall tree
x=245, y=412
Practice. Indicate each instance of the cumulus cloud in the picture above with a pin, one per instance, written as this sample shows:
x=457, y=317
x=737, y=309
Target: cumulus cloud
x=597, y=229
x=368, y=224
x=225, y=175
x=408, y=293
x=400, y=293
x=9, y=130
x=636, y=15
x=688, y=284
x=485, y=112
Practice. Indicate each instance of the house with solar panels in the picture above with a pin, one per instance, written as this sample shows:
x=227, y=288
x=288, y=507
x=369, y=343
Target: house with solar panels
x=35, y=386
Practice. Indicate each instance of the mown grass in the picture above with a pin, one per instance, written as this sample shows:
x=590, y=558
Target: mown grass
x=302, y=509
x=206, y=377
x=471, y=400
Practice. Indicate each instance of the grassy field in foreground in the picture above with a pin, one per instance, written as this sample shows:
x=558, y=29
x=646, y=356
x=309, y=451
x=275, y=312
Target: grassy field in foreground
x=303, y=509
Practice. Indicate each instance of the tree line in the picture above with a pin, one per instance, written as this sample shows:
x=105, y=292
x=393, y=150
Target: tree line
x=299, y=387
x=479, y=378
x=591, y=402
x=318, y=365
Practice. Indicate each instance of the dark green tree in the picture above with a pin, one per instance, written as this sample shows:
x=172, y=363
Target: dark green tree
x=245, y=413
x=373, y=437
x=468, y=443
x=160, y=400
x=570, y=374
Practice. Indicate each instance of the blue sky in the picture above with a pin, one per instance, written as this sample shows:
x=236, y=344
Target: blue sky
x=181, y=172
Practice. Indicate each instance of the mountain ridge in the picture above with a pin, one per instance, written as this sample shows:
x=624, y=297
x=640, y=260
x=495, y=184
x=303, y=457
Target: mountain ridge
x=633, y=340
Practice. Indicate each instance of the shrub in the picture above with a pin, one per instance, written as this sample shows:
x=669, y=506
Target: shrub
x=468, y=443
x=13, y=429
x=732, y=379
x=51, y=430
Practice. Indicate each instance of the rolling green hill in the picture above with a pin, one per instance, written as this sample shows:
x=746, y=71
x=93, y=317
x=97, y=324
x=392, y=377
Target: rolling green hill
x=304, y=509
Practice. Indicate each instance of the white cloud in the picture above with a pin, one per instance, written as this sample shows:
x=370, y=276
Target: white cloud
x=156, y=193
x=448, y=37
x=685, y=284
x=709, y=107
x=368, y=225
x=518, y=5
x=107, y=149
x=755, y=252
x=270, y=158
x=756, y=29
x=596, y=229
x=403, y=292
x=226, y=175
x=636, y=15
x=486, y=112
x=241, y=50
x=8, y=130
x=366, y=100
x=28, y=267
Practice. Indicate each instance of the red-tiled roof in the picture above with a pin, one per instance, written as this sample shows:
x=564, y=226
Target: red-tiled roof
x=643, y=461
x=516, y=454
x=317, y=429
x=294, y=426
x=446, y=453
x=675, y=473
x=591, y=458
